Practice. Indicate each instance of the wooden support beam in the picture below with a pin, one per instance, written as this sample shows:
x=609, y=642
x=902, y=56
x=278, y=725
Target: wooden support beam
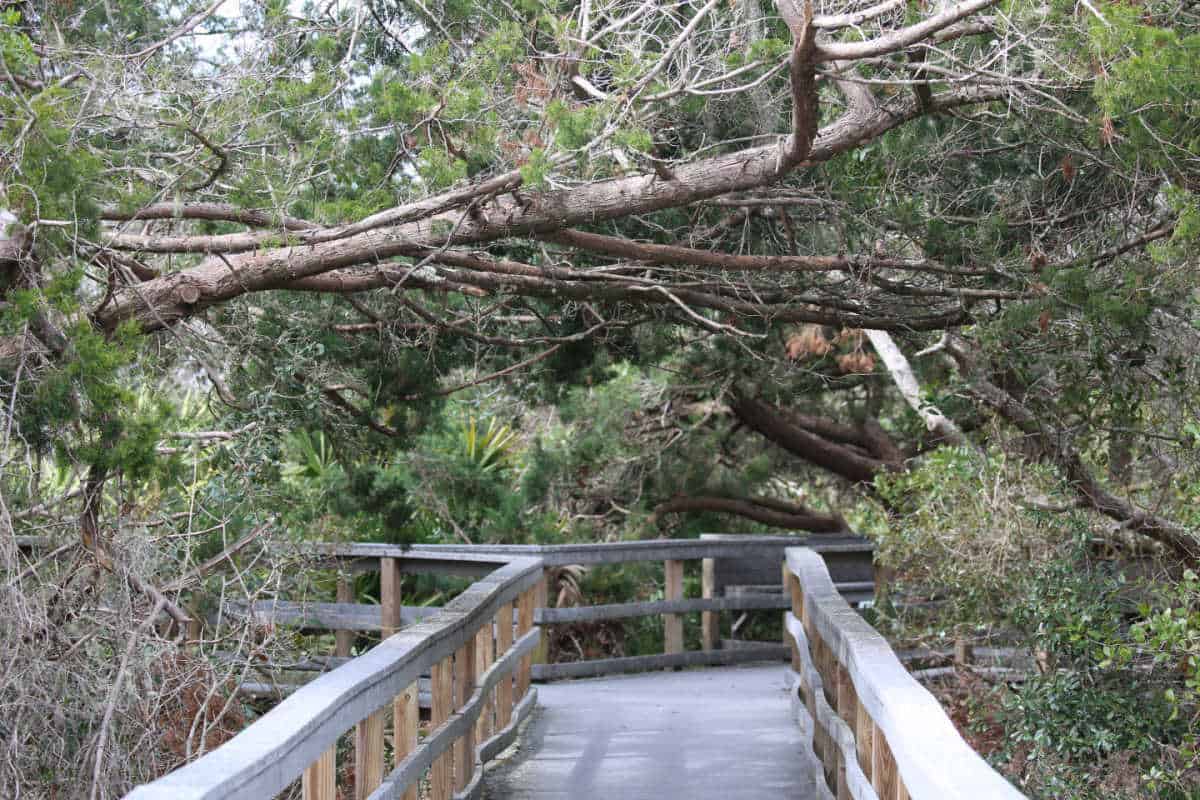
x=484, y=657
x=465, y=676
x=673, y=623
x=406, y=715
x=864, y=737
x=847, y=708
x=883, y=767
x=320, y=779
x=504, y=689
x=710, y=621
x=525, y=605
x=344, y=639
x=441, y=773
x=540, y=600
x=368, y=754
x=389, y=596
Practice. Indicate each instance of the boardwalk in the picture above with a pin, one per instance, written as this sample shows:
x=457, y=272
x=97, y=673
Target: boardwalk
x=716, y=733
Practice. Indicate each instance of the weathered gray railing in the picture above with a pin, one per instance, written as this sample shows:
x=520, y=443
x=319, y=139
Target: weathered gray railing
x=879, y=734
x=480, y=676
x=672, y=553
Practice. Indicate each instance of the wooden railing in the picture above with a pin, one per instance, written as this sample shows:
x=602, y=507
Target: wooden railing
x=671, y=553
x=878, y=733
x=479, y=661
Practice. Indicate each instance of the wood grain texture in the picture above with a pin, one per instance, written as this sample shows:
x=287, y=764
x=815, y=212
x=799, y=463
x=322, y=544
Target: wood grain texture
x=465, y=675
x=524, y=625
x=441, y=774
x=406, y=717
x=484, y=645
x=368, y=754
x=390, y=610
x=343, y=639
x=320, y=779
x=504, y=689
x=673, y=590
x=710, y=621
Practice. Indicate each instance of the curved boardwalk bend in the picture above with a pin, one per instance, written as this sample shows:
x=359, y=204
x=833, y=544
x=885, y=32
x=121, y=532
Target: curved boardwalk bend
x=844, y=720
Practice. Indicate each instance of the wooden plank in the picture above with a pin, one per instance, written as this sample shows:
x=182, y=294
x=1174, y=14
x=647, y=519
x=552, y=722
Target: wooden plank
x=504, y=695
x=440, y=782
x=406, y=716
x=673, y=590
x=320, y=779
x=692, y=658
x=465, y=676
x=524, y=625
x=344, y=639
x=368, y=754
x=484, y=645
x=710, y=621
x=319, y=617
x=542, y=654
x=847, y=708
x=864, y=737
x=883, y=766
x=390, y=610
x=651, y=608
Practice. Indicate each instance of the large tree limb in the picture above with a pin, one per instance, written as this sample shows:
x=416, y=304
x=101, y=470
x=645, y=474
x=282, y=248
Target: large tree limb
x=1055, y=446
x=838, y=458
x=906, y=381
x=164, y=301
x=775, y=513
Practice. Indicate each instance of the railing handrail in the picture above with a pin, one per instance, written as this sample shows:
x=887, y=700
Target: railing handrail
x=275, y=750
x=553, y=555
x=932, y=759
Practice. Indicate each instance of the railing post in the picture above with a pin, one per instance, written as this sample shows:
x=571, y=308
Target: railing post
x=320, y=779
x=442, y=680
x=406, y=714
x=883, y=767
x=483, y=661
x=791, y=588
x=464, y=685
x=541, y=655
x=710, y=621
x=389, y=595
x=504, y=639
x=673, y=623
x=368, y=755
x=344, y=640
x=864, y=736
x=847, y=708
x=524, y=626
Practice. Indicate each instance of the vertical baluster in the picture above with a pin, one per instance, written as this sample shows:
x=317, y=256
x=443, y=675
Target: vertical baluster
x=464, y=687
x=540, y=600
x=524, y=625
x=344, y=640
x=483, y=661
x=864, y=736
x=406, y=715
x=883, y=767
x=673, y=623
x=442, y=691
x=847, y=708
x=710, y=621
x=389, y=596
x=320, y=779
x=504, y=696
x=368, y=754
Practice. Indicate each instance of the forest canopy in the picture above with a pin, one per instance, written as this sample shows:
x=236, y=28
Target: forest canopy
x=534, y=271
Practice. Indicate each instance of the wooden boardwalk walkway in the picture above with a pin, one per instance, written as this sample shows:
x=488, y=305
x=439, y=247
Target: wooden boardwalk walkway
x=722, y=733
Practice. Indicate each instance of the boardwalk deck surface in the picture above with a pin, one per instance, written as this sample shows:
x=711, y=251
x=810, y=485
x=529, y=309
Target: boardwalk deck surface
x=724, y=734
